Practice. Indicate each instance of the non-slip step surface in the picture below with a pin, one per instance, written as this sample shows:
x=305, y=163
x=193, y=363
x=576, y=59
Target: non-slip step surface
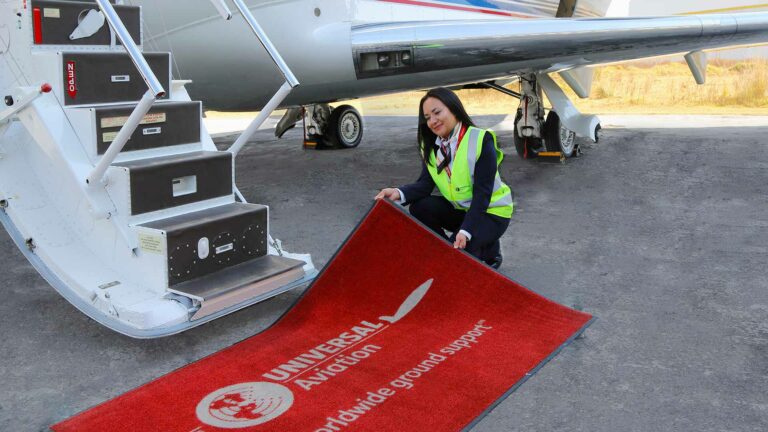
x=207, y=241
x=166, y=124
x=57, y=20
x=227, y=281
x=102, y=78
x=170, y=181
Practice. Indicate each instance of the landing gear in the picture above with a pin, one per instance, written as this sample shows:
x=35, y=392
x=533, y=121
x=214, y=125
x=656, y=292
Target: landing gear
x=324, y=128
x=554, y=135
x=315, y=122
x=529, y=120
x=534, y=136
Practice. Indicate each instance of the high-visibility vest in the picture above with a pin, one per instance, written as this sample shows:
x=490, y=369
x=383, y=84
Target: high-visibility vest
x=457, y=188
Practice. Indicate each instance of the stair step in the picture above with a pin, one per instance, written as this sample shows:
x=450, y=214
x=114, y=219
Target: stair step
x=204, y=242
x=249, y=280
x=167, y=124
x=170, y=181
x=58, y=19
x=89, y=78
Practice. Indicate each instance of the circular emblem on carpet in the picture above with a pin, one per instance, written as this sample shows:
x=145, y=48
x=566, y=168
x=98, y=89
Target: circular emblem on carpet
x=244, y=405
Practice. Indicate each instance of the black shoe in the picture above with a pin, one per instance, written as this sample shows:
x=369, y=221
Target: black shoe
x=495, y=262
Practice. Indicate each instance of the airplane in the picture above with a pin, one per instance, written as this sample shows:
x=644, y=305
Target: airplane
x=114, y=191
x=351, y=49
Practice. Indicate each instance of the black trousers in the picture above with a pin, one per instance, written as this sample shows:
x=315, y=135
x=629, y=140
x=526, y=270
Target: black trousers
x=439, y=215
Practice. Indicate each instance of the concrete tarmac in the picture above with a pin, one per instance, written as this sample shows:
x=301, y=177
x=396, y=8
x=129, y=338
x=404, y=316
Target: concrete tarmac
x=660, y=233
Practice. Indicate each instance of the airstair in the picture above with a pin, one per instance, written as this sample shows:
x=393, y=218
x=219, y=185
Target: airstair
x=110, y=184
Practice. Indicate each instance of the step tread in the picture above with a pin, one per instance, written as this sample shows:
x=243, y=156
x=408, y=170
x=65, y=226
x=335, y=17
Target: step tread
x=210, y=215
x=131, y=105
x=232, y=278
x=161, y=161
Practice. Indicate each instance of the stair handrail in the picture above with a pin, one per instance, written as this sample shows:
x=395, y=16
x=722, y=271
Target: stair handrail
x=155, y=92
x=290, y=79
x=266, y=43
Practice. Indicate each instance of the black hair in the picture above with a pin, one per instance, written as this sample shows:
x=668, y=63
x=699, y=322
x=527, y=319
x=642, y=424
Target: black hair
x=425, y=137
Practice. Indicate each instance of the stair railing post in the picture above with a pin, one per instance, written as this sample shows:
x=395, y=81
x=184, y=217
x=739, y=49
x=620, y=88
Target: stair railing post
x=257, y=122
x=122, y=138
x=223, y=9
x=130, y=46
x=290, y=79
x=155, y=91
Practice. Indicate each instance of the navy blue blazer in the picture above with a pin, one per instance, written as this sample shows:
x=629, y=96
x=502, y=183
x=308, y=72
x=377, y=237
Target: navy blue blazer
x=485, y=175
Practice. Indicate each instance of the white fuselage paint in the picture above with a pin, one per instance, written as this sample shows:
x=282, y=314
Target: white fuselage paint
x=231, y=71
x=665, y=7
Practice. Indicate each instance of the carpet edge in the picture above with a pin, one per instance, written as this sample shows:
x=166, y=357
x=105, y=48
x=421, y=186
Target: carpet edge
x=57, y=427
x=528, y=375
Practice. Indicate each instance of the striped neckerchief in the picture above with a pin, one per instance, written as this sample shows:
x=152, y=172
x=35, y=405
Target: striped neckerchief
x=448, y=147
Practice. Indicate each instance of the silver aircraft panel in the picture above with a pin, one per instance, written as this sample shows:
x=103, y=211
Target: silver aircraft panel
x=230, y=69
x=321, y=40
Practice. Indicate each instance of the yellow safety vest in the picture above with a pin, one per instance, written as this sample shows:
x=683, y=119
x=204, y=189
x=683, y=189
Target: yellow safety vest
x=457, y=188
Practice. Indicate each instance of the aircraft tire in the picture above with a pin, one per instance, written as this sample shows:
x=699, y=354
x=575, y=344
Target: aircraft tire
x=345, y=127
x=556, y=137
x=523, y=146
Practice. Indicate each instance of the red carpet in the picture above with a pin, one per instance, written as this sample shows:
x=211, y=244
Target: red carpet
x=400, y=332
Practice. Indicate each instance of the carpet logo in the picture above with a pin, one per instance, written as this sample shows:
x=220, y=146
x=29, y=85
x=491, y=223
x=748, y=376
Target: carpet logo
x=409, y=303
x=254, y=403
x=244, y=405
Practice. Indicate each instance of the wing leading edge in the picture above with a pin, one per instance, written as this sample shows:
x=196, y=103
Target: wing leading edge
x=483, y=49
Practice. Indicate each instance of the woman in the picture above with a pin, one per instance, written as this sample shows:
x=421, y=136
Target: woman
x=462, y=161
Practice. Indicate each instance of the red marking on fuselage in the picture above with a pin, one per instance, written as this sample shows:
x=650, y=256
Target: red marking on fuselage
x=461, y=8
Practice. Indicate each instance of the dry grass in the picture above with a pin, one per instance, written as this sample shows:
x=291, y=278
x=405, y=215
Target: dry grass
x=476, y=101
x=733, y=87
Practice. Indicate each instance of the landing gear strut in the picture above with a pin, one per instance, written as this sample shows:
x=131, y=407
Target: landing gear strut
x=529, y=120
x=526, y=147
x=535, y=136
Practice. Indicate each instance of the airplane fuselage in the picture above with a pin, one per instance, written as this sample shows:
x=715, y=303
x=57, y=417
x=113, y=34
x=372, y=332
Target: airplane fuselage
x=231, y=71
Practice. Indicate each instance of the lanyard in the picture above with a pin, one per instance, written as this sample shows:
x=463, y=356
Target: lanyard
x=461, y=136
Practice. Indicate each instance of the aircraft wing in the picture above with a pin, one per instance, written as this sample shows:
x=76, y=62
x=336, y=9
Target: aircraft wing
x=489, y=48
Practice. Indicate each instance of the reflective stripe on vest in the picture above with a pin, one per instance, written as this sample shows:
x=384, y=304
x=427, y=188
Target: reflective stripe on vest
x=458, y=188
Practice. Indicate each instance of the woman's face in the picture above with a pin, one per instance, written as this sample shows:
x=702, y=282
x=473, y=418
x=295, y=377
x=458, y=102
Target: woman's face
x=440, y=119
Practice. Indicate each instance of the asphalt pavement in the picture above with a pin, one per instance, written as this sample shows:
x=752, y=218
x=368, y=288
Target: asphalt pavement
x=660, y=232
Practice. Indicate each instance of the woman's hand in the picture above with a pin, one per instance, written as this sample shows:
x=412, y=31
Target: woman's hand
x=461, y=241
x=391, y=194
